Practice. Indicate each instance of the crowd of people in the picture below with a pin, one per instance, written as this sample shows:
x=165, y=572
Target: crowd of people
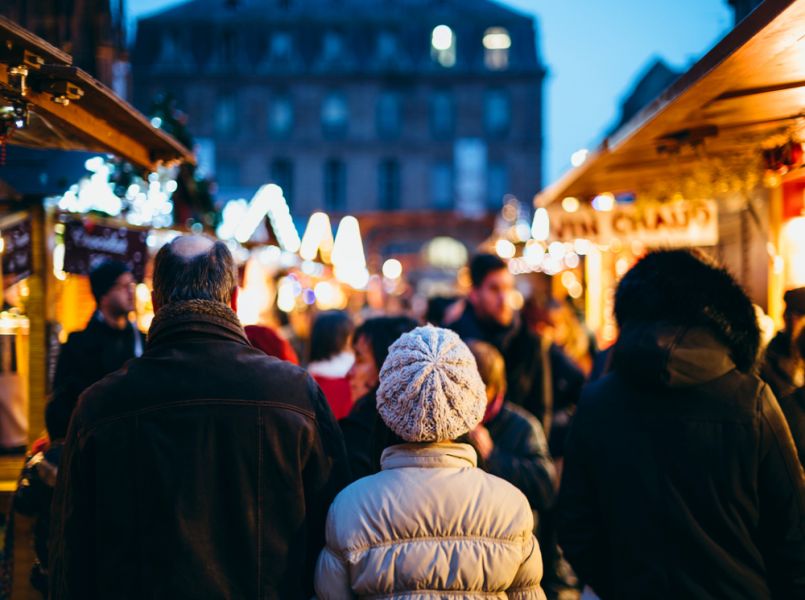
x=466, y=456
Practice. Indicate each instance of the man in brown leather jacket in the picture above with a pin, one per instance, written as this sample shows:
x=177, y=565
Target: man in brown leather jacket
x=204, y=468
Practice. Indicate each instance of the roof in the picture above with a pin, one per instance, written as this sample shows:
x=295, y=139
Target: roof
x=94, y=119
x=749, y=90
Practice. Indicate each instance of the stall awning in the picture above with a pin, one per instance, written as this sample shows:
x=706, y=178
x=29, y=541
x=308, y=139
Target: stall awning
x=746, y=93
x=68, y=109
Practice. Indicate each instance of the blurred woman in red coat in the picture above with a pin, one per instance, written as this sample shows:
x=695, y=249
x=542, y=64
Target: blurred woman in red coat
x=331, y=358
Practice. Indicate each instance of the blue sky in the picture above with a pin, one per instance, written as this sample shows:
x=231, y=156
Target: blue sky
x=594, y=49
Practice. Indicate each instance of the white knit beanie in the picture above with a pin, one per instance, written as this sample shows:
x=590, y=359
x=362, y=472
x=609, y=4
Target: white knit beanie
x=430, y=389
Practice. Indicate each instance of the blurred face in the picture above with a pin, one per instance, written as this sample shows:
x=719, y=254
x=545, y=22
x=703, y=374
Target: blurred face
x=364, y=374
x=119, y=300
x=492, y=299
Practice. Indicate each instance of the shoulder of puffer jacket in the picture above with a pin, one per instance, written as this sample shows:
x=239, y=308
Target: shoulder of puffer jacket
x=502, y=496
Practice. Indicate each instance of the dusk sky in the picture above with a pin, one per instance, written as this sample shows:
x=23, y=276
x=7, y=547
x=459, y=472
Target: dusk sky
x=594, y=50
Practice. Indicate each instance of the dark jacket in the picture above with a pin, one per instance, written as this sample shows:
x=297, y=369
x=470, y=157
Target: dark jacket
x=779, y=366
x=366, y=436
x=681, y=478
x=540, y=377
x=794, y=410
x=87, y=356
x=203, y=469
x=520, y=456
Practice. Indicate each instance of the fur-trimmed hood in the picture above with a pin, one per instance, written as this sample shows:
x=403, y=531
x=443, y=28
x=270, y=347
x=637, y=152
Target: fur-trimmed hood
x=685, y=289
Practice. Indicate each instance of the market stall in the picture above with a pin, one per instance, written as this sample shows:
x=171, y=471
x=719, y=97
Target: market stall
x=714, y=162
x=46, y=103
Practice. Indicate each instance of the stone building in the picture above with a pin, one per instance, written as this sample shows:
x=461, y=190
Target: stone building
x=354, y=105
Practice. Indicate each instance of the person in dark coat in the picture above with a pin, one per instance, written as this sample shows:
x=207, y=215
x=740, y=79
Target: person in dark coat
x=365, y=433
x=783, y=366
x=109, y=340
x=681, y=479
x=540, y=377
x=794, y=408
x=204, y=468
x=512, y=445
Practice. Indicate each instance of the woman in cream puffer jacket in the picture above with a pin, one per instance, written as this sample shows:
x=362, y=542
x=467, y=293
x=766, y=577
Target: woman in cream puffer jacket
x=430, y=524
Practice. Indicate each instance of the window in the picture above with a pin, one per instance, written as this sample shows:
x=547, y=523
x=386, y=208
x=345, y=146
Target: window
x=442, y=121
x=229, y=47
x=335, y=185
x=281, y=46
x=282, y=175
x=497, y=185
x=496, y=48
x=443, y=46
x=226, y=115
x=388, y=179
x=497, y=112
x=227, y=174
x=389, y=109
x=280, y=116
x=386, y=46
x=334, y=115
x=332, y=47
x=441, y=185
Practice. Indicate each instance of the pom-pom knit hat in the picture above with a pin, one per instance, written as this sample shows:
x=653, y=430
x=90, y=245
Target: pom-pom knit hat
x=430, y=389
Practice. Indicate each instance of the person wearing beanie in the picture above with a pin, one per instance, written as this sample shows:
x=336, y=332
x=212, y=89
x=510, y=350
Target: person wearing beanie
x=109, y=340
x=783, y=366
x=681, y=478
x=430, y=524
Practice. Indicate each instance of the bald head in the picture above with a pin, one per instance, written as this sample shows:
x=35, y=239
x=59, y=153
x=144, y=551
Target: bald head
x=190, y=246
x=193, y=267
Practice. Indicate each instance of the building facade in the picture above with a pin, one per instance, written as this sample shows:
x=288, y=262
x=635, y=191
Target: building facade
x=354, y=105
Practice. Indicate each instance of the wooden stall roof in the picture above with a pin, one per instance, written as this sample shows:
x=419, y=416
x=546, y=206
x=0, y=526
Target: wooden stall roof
x=749, y=90
x=95, y=119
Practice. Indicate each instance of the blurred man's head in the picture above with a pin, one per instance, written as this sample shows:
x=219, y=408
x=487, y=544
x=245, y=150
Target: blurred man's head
x=794, y=315
x=112, y=286
x=492, y=288
x=194, y=267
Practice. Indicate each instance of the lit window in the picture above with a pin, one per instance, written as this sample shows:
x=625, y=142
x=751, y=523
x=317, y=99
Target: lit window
x=443, y=46
x=496, y=48
x=388, y=179
x=334, y=115
x=280, y=116
x=335, y=185
x=389, y=114
x=497, y=113
x=442, y=121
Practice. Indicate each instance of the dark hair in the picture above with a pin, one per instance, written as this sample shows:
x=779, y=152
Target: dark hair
x=687, y=288
x=330, y=335
x=437, y=307
x=482, y=265
x=801, y=343
x=208, y=275
x=382, y=332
